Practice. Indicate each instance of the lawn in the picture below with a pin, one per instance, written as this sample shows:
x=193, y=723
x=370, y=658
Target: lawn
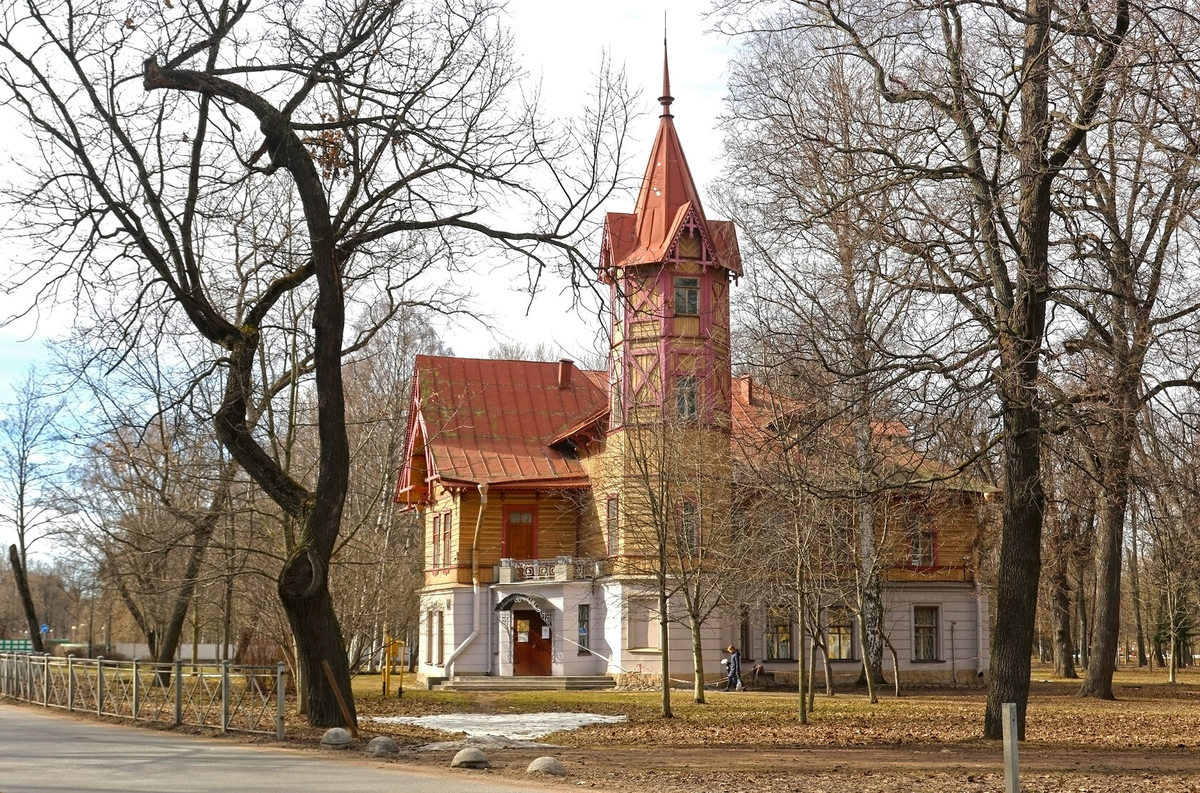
x=928, y=739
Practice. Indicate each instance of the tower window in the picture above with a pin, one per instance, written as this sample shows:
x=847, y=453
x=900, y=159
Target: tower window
x=687, y=296
x=685, y=398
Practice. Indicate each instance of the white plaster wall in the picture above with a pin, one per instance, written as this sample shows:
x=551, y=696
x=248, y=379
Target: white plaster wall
x=956, y=604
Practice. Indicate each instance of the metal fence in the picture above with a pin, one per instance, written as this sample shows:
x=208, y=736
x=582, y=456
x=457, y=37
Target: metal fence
x=222, y=696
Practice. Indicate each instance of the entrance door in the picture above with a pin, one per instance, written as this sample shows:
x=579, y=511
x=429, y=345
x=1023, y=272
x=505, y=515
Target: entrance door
x=531, y=644
x=520, y=533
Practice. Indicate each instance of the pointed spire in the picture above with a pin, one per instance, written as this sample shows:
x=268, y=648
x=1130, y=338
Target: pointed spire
x=666, y=99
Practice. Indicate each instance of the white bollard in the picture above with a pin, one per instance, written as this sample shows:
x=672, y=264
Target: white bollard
x=1012, y=781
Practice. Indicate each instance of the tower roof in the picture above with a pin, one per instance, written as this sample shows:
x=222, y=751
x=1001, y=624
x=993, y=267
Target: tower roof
x=668, y=196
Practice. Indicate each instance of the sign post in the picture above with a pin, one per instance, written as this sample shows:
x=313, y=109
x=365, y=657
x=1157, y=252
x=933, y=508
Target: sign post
x=1012, y=781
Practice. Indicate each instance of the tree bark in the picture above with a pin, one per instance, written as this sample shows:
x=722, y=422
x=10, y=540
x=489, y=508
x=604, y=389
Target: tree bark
x=1060, y=602
x=19, y=575
x=664, y=640
x=697, y=661
x=1085, y=632
x=1107, y=618
x=1134, y=579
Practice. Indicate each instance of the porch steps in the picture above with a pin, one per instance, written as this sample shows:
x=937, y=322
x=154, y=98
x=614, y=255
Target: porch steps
x=526, y=683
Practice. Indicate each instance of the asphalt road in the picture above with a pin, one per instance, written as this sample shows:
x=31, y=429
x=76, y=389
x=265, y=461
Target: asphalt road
x=48, y=751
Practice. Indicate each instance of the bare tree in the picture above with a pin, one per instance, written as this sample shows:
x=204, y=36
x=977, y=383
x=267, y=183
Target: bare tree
x=980, y=218
x=387, y=131
x=29, y=432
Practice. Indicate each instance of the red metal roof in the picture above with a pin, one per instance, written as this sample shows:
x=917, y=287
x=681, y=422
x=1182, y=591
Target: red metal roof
x=492, y=421
x=667, y=196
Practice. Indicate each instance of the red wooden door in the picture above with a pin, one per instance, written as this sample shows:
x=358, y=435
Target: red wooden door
x=531, y=644
x=520, y=539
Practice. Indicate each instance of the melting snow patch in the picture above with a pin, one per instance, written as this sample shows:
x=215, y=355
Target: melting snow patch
x=500, y=730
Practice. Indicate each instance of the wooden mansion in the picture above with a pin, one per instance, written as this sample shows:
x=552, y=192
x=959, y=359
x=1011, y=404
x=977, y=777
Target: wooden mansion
x=533, y=485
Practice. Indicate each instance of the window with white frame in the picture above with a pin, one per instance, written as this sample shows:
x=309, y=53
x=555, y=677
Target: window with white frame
x=441, y=637
x=585, y=619
x=839, y=636
x=429, y=637
x=925, y=633
x=779, y=635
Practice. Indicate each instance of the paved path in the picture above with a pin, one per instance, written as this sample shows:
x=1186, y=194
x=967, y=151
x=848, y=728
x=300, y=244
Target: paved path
x=42, y=752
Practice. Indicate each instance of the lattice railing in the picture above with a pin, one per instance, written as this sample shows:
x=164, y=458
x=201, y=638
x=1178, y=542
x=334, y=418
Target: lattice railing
x=221, y=696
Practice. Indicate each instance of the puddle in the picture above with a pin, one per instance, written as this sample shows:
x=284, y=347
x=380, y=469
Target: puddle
x=499, y=730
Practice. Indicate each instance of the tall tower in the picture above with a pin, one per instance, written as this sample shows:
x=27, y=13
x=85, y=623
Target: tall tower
x=669, y=269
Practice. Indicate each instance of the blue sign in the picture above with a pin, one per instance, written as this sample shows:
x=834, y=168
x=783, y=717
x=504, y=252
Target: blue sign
x=45, y=629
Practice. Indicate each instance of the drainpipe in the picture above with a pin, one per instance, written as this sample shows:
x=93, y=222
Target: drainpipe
x=980, y=627
x=475, y=605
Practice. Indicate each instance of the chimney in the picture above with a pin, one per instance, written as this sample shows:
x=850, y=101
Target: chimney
x=565, y=367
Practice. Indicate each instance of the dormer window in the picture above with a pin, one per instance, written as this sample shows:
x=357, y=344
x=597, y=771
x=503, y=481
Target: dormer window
x=687, y=296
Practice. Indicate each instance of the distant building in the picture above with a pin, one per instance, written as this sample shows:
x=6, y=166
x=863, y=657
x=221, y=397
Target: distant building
x=536, y=495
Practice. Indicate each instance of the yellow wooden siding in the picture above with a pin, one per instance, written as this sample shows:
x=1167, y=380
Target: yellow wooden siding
x=687, y=325
x=955, y=525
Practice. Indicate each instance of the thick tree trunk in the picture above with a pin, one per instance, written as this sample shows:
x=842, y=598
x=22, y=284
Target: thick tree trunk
x=1020, y=568
x=35, y=628
x=304, y=593
x=1107, y=621
x=169, y=641
x=1060, y=603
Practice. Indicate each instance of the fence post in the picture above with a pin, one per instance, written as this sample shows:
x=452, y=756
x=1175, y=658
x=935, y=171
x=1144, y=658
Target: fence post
x=280, y=696
x=137, y=690
x=178, y=681
x=70, y=682
x=99, y=686
x=45, y=680
x=224, y=696
x=1012, y=781
x=28, y=678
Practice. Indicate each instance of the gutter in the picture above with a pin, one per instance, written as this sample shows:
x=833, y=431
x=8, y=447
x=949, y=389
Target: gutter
x=448, y=667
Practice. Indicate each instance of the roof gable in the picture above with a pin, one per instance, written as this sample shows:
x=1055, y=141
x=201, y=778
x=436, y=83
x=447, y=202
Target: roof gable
x=483, y=420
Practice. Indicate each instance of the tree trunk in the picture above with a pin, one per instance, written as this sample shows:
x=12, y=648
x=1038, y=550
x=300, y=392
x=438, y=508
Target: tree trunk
x=35, y=628
x=1060, y=604
x=1084, y=627
x=1135, y=582
x=184, y=597
x=664, y=644
x=800, y=670
x=1098, y=682
x=304, y=593
x=697, y=661
x=1020, y=566
x=870, y=679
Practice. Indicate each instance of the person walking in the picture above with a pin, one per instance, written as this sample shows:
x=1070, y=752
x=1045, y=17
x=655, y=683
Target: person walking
x=734, y=683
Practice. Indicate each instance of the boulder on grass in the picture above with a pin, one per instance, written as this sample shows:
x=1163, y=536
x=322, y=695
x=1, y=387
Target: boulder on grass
x=383, y=746
x=546, y=765
x=336, y=738
x=470, y=758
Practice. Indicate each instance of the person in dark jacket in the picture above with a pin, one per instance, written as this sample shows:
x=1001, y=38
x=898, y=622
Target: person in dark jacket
x=734, y=683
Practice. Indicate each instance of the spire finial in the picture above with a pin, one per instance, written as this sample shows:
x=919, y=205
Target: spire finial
x=666, y=98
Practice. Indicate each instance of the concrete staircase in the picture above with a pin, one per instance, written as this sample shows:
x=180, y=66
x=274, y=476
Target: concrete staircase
x=526, y=683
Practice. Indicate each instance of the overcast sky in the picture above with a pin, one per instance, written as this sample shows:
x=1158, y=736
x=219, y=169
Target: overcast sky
x=560, y=44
